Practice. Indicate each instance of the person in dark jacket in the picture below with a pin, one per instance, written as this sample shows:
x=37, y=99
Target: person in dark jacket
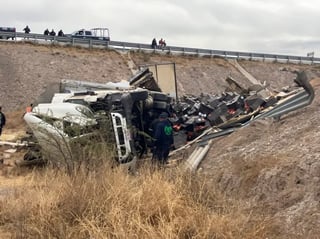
x=26, y=29
x=60, y=33
x=2, y=120
x=154, y=43
x=46, y=32
x=163, y=136
x=52, y=33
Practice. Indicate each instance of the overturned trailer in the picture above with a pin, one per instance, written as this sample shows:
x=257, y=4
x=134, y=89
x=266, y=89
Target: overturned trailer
x=126, y=113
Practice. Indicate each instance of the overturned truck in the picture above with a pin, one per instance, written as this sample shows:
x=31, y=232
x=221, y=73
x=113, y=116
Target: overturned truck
x=125, y=113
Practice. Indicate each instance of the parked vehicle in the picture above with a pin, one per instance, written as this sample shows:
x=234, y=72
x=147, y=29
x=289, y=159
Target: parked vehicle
x=10, y=32
x=94, y=33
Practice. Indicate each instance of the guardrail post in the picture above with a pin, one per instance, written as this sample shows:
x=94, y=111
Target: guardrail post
x=90, y=43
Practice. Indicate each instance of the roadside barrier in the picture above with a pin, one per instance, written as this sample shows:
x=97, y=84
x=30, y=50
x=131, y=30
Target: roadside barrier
x=87, y=42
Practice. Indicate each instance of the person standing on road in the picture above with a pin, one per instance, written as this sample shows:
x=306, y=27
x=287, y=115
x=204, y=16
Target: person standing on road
x=60, y=33
x=26, y=30
x=163, y=139
x=46, y=32
x=160, y=43
x=52, y=33
x=154, y=43
x=2, y=120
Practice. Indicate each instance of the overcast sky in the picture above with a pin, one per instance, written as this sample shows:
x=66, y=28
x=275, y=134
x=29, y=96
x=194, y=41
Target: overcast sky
x=264, y=26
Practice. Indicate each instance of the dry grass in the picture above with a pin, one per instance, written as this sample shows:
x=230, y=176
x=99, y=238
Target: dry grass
x=110, y=203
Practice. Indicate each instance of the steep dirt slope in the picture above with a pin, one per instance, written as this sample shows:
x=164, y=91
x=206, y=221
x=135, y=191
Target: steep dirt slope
x=272, y=165
x=277, y=75
x=26, y=70
x=197, y=75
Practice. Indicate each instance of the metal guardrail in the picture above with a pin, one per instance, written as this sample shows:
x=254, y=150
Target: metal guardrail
x=168, y=49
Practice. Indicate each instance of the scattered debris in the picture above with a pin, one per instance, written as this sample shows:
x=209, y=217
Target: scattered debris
x=227, y=121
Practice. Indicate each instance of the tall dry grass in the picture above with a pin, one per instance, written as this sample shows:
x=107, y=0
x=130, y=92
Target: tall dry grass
x=110, y=203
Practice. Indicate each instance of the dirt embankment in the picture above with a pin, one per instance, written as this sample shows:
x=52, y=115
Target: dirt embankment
x=27, y=70
x=275, y=166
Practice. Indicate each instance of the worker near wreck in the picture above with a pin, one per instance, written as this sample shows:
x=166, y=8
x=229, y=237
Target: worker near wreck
x=163, y=137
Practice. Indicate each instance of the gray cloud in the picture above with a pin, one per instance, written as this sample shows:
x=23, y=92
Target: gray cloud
x=287, y=27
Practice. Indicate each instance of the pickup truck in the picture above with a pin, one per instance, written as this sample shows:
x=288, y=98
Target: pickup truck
x=94, y=33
